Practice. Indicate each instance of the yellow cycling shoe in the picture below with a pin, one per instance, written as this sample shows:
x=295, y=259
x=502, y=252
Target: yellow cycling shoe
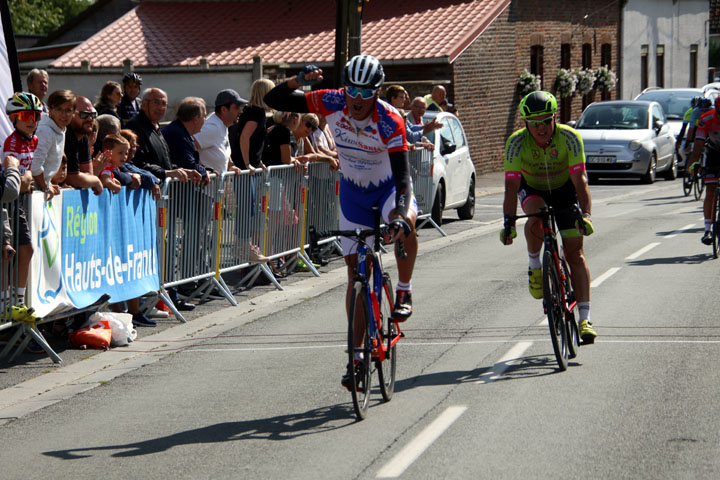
x=535, y=282
x=587, y=334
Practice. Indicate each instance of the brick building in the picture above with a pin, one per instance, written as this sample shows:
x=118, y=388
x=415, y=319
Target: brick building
x=476, y=48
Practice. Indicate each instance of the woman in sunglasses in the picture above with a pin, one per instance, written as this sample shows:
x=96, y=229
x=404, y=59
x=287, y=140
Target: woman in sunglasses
x=545, y=165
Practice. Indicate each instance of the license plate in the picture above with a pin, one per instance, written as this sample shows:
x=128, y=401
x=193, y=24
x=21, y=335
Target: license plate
x=600, y=159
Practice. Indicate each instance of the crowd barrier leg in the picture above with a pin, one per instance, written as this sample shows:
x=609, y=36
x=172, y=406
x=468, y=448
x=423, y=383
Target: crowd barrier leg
x=428, y=219
x=31, y=332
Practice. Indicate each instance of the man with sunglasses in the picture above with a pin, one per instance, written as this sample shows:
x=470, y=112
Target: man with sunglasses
x=545, y=165
x=371, y=141
x=77, y=147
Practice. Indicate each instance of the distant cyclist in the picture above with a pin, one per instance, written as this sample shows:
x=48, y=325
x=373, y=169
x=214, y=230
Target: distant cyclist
x=370, y=137
x=707, y=137
x=700, y=106
x=545, y=165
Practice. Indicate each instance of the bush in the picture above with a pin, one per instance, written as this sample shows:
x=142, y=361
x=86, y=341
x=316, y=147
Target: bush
x=605, y=79
x=585, y=81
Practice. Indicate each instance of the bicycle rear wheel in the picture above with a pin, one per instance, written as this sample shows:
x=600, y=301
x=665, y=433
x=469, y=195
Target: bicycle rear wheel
x=386, y=369
x=687, y=182
x=357, y=322
x=552, y=298
x=715, y=219
x=571, y=315
x=698, y=186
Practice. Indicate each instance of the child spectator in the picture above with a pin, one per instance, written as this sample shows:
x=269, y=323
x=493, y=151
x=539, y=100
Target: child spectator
x=145, y=179
x=24, y=110
x=115, y=149
x=51, y=140
x=61, y=175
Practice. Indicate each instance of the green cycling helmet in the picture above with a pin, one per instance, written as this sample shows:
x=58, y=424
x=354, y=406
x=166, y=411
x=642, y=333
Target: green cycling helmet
x=538, y=103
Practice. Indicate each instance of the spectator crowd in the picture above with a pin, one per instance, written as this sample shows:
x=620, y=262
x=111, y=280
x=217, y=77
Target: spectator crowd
x=64, y=140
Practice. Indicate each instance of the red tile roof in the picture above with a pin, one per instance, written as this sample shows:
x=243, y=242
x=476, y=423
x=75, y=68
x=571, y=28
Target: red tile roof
x=166, y=34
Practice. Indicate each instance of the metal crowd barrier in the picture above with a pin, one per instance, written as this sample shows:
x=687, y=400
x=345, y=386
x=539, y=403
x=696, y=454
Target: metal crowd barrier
x=421, y=166
x=207, y=231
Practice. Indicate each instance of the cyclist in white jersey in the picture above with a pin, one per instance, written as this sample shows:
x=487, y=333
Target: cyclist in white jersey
x=370, y=138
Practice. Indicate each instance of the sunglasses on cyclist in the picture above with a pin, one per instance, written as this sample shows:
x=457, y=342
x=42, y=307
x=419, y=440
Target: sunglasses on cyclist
x=543, y=121
x=28, y=116
x=365, y=93
x=310, y=126
x=84, y=115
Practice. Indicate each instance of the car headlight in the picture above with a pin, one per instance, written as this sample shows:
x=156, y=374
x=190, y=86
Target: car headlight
x=635, y=145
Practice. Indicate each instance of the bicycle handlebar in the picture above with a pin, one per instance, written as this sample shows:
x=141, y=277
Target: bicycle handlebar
x=361, y=234
x=546, y=212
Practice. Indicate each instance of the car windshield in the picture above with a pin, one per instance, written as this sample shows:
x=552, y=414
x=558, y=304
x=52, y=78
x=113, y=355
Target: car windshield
x=614, y=117
x=674, y=103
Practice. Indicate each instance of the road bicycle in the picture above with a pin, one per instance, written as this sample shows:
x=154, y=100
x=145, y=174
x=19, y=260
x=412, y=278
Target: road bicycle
x=372, y=331
x=715, y=225
x=559, y=303
x=694, y=182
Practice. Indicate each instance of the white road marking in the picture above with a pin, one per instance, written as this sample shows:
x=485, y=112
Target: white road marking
x=680, y=230
x=504, y=363
x=599, y=280
x=412, y=451
x=645, y=249
x=624, y=213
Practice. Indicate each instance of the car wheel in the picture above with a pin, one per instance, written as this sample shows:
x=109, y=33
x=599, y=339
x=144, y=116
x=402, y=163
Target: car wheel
x=438, y=205
x=467, y=211
x=672, y=172
x=649, y=177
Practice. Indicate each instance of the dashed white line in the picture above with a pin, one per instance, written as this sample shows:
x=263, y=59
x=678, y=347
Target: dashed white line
x=504, y=363
x=412, y=451
x=680, y=230
x=599, y=280
x=643, y=250
x=624, y=213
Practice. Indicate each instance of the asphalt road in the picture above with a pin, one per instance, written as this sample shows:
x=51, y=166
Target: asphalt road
x=254, y=391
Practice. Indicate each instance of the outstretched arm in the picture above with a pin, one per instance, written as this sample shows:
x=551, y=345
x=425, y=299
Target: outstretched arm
x=286, y=98
x=403, y=186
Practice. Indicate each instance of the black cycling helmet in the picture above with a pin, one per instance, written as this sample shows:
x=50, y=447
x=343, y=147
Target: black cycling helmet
x=363, y=71
x=695, y=101
x=132, y=77
x=538, y=103
x=704, y=102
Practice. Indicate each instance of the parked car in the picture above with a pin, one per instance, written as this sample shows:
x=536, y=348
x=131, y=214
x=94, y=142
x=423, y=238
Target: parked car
x=453, y=170
x=627, y=138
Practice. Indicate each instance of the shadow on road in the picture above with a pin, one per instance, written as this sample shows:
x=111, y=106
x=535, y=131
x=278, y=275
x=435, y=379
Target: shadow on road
x=283, y=427
x=525, y=367
x=688, y=260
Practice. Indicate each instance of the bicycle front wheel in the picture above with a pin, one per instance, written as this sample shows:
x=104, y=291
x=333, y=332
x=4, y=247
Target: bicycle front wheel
x=553, y=300
x=386, y=369
x=358, y=326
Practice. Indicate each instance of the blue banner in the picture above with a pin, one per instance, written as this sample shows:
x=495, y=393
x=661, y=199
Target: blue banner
x=109, y=245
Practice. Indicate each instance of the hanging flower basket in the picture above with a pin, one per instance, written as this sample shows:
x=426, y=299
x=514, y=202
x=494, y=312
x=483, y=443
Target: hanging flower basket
x=605, y=79
x=585, y=81
x=527, y=82
x=565, y=83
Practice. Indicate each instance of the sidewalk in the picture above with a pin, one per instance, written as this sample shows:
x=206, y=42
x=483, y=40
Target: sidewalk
x=489, y=184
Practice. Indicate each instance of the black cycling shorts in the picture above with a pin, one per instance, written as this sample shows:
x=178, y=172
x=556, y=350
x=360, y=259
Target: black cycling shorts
x=712, y=165
x=561, y=199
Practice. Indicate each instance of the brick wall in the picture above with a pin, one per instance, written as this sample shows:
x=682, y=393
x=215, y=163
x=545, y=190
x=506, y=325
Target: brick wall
x=485, y=75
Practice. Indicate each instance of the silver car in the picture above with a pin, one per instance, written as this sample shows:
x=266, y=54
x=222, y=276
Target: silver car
x=453, y=171
x=627, y=138
x=675, y=102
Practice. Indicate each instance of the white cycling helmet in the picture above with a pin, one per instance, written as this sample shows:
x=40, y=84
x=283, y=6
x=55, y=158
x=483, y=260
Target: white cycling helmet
x=363, y=71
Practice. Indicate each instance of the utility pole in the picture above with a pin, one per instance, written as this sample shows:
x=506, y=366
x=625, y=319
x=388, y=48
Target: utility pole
x=348, y=34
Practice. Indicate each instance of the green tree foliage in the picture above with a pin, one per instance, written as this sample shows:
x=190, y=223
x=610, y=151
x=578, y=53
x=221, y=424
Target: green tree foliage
x=43, y=16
